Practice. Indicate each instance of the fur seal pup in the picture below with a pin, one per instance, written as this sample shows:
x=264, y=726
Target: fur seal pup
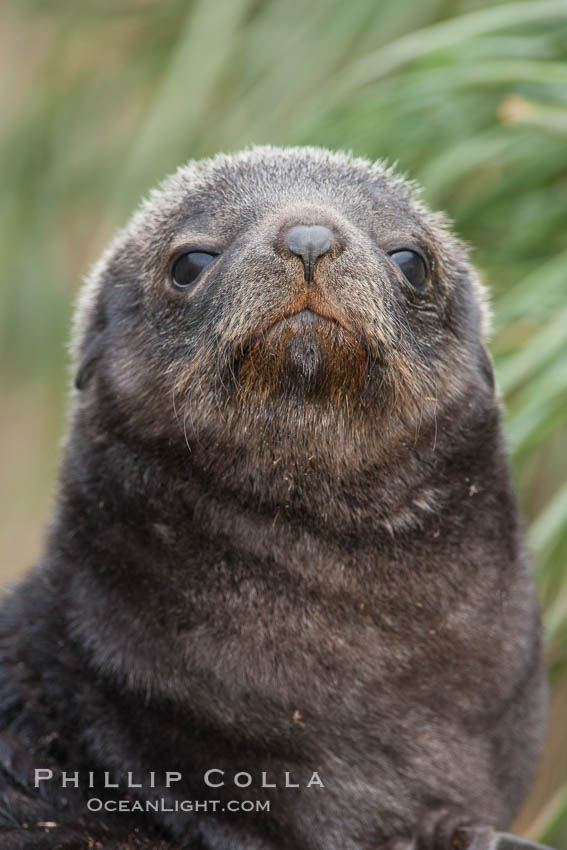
x=284, y=602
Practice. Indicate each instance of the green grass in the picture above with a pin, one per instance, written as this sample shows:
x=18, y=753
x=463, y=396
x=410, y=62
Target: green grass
x=470, y=98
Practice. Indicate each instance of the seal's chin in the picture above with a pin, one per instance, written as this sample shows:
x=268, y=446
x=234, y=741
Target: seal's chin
x=304, y=353
x=306, y=339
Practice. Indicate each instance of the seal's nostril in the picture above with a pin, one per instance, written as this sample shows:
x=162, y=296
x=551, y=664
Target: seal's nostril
x=309, y=241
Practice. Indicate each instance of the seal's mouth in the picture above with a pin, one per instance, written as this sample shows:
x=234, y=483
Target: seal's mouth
x=301, y=321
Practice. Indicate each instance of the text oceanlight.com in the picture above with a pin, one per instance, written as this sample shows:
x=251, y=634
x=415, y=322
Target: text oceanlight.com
x=95, y=804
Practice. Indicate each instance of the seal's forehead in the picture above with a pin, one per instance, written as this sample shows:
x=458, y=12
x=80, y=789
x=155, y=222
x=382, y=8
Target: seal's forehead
x=267, y=176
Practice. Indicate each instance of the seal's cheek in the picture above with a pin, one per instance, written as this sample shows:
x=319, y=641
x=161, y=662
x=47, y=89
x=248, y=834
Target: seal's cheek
x=136, y=388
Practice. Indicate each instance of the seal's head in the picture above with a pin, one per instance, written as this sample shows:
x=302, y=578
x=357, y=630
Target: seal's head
x=291, y=286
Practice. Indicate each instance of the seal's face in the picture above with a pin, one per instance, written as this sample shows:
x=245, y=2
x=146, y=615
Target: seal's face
x=282, y=283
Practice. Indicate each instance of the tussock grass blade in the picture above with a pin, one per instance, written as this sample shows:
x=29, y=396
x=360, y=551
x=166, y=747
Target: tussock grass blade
x=542, y=346
x=449, y=34
x=174, y=126
x=550, y=118
x=552, y=816
x=540, y=409
x=539, y=292
x=550, y=524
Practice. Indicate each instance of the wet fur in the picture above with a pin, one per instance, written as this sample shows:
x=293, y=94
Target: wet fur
x=279, y=543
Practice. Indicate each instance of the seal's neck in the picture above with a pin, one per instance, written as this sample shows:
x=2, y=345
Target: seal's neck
x=356, y=482
x=175, y=547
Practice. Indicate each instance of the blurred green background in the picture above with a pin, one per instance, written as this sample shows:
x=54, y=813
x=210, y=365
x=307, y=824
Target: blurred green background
x=101, y=99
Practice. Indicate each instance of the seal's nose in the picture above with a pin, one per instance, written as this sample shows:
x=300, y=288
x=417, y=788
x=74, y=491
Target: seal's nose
x=309, y=241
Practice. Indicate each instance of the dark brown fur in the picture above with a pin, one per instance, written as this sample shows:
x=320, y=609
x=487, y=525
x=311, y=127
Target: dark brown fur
x=283, y=540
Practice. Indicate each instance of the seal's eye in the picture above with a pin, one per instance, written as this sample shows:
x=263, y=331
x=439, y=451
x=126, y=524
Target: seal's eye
x=412, y=266
x=187, y=268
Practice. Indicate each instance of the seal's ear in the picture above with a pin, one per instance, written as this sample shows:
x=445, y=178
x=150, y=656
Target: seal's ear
x=91, y=356
x=92, y=349
x=486, y=369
